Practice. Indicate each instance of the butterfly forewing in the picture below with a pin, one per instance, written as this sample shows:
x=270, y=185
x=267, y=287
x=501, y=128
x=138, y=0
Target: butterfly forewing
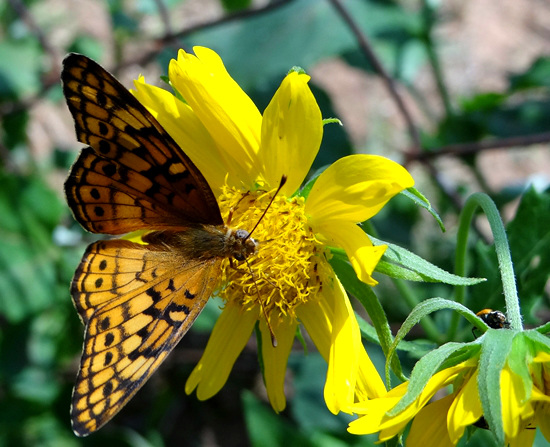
x=133, y=175
x=137, y=301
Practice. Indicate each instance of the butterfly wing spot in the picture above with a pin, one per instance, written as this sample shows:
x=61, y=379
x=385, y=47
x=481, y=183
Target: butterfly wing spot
x=188, y=294
x=105, y=324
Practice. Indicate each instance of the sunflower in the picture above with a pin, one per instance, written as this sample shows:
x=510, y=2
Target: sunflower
x=289, y=282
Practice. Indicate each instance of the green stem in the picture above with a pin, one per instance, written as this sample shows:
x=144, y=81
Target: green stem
x=427, y=323
x=503, y=255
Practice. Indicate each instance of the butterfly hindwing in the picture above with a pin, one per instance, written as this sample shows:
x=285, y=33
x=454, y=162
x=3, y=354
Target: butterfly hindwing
x=133, y=175
x=137, y=301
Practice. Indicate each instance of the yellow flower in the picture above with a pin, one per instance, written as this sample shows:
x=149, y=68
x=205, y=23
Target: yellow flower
x=243, y=155
x=524, y=403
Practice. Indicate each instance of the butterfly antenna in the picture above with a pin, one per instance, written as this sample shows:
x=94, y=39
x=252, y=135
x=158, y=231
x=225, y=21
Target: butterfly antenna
x=281, y=184
x=273, y=339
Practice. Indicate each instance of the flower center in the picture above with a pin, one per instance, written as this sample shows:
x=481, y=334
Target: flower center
x=284, y=272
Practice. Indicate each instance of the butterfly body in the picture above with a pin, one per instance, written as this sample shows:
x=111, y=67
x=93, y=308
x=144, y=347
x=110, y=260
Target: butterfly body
x=136, y=300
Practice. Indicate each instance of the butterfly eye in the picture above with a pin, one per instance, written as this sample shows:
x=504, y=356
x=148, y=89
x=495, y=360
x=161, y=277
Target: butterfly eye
x=241, y=234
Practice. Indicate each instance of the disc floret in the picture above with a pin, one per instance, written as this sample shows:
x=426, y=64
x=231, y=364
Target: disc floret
x=283, y=273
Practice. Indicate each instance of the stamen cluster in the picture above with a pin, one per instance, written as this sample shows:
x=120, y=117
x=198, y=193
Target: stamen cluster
x=285, y=271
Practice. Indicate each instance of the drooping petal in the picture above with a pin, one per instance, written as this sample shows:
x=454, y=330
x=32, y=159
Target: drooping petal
x=224, y=109
x=276, y=358
x=362, y=254
x=186, y=129
x=227, y=340
x=465, y=409
x=429, y=427
x=355, y=188
x=292, y=130
x=345, y=343
x=333, y=328
x=369, y=383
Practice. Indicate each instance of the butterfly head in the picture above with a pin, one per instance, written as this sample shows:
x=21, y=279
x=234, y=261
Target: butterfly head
x=241, y=244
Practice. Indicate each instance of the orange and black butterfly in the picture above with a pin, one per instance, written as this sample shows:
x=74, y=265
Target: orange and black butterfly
x=135, y=300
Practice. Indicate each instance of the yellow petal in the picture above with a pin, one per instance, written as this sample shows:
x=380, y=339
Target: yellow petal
x=515, y=409
x=228, y=338
x=369, y=383
x=185, y=128
x=542, y=415
x=429, y=427
x=465, y=409
x=524, y=438
x=276, y=358
x=355, y=188
x=436, y=383
x=292, y=130
x=345, y=344
x=333, y=328
x=228, y=114
x=375, y=414
x=362, y=254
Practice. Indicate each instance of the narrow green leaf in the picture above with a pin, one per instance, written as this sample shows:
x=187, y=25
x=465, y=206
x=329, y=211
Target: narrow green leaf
x=418, y=198
x=425, y=270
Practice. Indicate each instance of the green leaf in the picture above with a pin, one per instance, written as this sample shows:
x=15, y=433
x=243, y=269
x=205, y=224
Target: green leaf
x=407, y=265
x=418, y=198
x=537, y=75
x=530, y=246
x=520, y=355
x=426, y=367
x=497, y=343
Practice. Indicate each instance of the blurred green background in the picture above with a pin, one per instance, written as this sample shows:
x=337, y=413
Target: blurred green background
x=474, y=77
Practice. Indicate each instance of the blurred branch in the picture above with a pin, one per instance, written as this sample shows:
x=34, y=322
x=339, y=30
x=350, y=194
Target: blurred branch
x=428, y=14
x=462, y=149
x=160, y=43
x=21, y=10
x=371, y=56
x=164, y=16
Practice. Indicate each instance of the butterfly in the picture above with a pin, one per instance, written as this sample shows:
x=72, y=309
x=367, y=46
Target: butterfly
x=136, y=300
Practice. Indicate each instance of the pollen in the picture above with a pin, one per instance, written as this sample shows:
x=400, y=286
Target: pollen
x=284, y=272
